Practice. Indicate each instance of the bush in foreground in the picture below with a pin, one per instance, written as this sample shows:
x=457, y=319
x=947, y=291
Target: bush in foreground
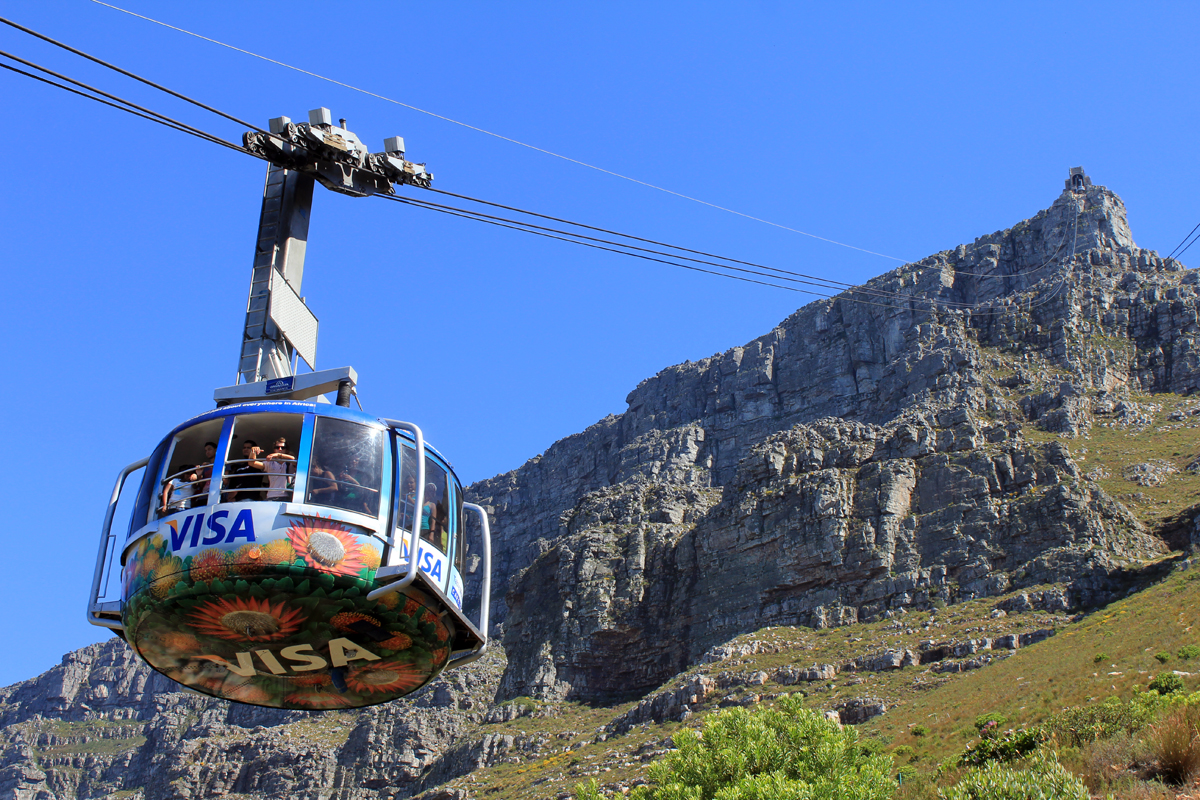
x=1167, y=683
x=1042, y=779
x=1012, y=745
x=782, y=753
x=1075, y=727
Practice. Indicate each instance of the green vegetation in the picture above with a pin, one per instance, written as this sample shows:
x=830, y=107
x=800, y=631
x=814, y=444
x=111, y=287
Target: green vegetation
x=1167, y=683
x=988, y=725
x=1007, y=747
x=1042, y=777
x=766, y=754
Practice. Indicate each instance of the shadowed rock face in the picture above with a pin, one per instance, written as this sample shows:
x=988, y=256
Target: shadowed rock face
x=853, y=461
x=859, y=459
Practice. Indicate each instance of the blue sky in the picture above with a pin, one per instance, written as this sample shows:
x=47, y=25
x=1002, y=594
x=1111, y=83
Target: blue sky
x=901, y=129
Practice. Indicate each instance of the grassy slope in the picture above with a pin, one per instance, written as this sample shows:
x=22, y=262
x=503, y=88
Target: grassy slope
x=1061, y=671
x=1026, y=686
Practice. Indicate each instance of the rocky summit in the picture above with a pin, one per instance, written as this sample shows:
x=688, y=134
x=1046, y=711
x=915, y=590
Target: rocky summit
x=922, y=440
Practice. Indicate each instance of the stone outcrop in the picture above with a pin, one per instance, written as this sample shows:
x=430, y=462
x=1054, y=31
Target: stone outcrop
x=860, y=458
x=102, y=723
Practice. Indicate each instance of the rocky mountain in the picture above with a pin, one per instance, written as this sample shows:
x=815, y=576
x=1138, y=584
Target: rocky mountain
x=863, y=457
x=918, y=441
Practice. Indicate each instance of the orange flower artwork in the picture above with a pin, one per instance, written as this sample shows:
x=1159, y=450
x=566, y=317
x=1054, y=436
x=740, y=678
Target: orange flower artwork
x=318, y=679
x=246, y=620
x=327, y=546
x=249, y=559
x=346, y=619
x=247, y=693
x=389, y=676
x=399, y=641
x=210, y=565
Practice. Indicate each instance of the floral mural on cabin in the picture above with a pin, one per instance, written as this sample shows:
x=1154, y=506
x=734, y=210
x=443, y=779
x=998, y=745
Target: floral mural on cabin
x=283, y=623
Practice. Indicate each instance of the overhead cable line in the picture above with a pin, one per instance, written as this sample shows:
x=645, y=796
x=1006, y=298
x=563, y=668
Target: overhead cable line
x=1184, y=250
x=901, y=298
x=129, y=74
x=914, y=264
x=476, y=217
x=629, y=236
x=496, y=135
x=842, y=288
x=780, y=274
x=128, y=106
x=1173, y=255
x=785, y=275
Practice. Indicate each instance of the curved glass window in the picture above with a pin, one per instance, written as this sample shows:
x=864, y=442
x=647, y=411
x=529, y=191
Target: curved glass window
x=435, y=506
x=460, y=529
x=148, y=492
x=259, y=463
x=407, y=494
x=187, y=468
x=346, y=468
x=435, y=510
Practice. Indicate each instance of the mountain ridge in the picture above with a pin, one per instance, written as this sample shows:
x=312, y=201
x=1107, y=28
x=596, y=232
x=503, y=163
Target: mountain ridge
x=860, y=462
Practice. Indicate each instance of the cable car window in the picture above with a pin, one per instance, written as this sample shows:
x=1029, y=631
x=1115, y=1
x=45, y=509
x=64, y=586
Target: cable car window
x=260, y=463
x=346, y=469
x=460, y=550
x=188, y=469
x=435, y=511
x=148, y=491
x=407, y=495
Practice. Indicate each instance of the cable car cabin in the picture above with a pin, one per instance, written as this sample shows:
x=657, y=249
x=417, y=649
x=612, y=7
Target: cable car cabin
x=267, y=560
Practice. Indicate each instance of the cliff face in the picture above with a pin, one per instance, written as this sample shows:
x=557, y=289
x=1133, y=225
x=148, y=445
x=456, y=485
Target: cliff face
x=917, y=441
x=864, y=456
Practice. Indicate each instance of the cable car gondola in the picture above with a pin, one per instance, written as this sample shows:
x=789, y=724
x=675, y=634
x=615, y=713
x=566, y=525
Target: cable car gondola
x=286, y=551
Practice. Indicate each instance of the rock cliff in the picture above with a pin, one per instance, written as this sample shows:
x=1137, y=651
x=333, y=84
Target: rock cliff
x=914, y=442
x=867, y=455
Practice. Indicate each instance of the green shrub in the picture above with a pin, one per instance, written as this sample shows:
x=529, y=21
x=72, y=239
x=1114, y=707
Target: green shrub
x=1100, y=657
x=919, y=730
x=1167, y=683
x=904, y=751
x=870, y=747
x=1010, y=746
x=767, y=754
x=1042, y=778
x=1188, y=651
x=1075, y=727
x=1163, y=656
x=588, y=791
x=988, y=725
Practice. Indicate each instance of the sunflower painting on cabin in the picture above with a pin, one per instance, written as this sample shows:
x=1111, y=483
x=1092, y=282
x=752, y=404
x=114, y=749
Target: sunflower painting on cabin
x=389, y=677
x=327, y=546
x=246, y=619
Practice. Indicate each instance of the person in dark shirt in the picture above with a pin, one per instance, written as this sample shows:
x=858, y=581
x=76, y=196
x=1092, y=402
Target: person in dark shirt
x=250, y=478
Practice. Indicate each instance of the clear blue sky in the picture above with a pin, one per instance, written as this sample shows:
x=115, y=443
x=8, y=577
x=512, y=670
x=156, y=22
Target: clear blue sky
x=899, y=128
